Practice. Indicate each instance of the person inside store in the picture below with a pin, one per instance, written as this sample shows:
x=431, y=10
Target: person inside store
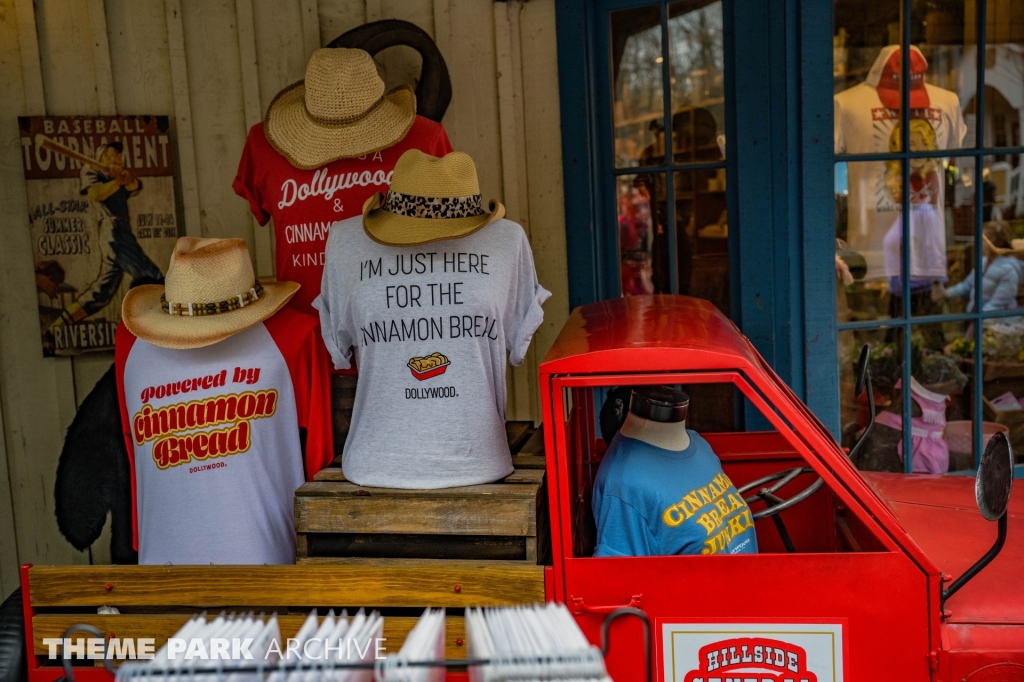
x=661, y=490
x=1000, y=273
x=225, y=409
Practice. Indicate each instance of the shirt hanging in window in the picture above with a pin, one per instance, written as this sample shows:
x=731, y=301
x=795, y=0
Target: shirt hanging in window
x=649, y=501
x=304, y=203
x=430, y=326
x=213, y=440
x=864, y=124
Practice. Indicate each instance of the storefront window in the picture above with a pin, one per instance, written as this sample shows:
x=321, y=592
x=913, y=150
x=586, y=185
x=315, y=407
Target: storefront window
x=668, y=65
x=912, y=246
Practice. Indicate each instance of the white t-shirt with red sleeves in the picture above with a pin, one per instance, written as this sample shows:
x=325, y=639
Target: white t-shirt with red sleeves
x=213, y=437
x=304, y=204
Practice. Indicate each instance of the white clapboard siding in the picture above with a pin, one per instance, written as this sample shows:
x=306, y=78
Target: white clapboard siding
x=101, y=58
x=512, y=125
x=544, y=168
x=263, y=251
x=140, y=57
x=37, y=395
x=185, y=147
x=12, y=219
x=213, y=66
x=339, y=16
x=218, y=117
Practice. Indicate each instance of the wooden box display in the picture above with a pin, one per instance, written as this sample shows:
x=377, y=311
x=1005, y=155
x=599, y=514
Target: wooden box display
x=999, y=371
x=1012, y=419
x=337, y=519
x=155, y=601
x=999, y=378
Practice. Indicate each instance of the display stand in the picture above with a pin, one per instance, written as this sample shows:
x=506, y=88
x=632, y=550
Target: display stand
x=336, y=518
x=155, y=601
x=390, y=668
x=1000, y=377
x=401, y=551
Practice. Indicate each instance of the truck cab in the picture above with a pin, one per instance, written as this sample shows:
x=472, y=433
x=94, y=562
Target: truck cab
x=852, y=581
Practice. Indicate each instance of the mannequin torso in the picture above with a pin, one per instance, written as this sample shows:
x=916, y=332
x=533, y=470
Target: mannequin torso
x=666, y=435
x=661, y=490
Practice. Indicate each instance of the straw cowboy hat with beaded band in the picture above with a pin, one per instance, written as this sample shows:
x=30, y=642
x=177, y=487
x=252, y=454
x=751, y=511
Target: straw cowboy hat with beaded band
x=339, y=111
x=210, y=294
x=429, y=199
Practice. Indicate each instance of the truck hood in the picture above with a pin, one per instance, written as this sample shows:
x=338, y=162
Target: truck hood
x=940, y=515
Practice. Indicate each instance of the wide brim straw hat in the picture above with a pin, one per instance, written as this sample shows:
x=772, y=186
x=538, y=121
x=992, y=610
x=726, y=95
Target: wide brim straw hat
x=430, y=199
x=210, y=294
x=338, y=111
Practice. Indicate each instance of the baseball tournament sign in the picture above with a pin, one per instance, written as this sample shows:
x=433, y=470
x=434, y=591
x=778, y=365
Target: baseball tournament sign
x=102, y=215
x=751, y=652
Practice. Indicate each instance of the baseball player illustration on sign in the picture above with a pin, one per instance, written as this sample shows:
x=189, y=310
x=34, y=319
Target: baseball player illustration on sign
x=108, y=185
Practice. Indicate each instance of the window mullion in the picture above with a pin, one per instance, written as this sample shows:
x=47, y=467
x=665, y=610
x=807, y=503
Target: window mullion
x=665, y=168
x=930, y=154
x=670, y=202
x=927, y=319
x=979, y=222
x=905, y=224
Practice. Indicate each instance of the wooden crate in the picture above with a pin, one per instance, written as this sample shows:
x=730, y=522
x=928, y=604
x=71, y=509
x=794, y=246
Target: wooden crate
x=997, y=379
x=335, y=518
x=343, y=397
x=1013, y=420
x=154, y=601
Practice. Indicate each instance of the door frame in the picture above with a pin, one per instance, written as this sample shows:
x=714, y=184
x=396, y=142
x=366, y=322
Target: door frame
x=778, y=57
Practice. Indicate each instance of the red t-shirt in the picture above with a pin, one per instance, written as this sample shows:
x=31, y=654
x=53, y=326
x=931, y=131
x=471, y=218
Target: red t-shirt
x=213, y=440
x=304, y=204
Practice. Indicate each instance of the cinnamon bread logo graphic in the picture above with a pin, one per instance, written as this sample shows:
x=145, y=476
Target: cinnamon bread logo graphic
x=751, y=658
x=172, y=426
x=428, y=366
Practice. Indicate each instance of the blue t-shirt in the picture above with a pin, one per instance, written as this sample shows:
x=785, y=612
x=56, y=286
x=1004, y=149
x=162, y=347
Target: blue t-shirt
x=649, y=501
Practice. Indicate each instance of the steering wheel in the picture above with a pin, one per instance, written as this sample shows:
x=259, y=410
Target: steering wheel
x=775, y=504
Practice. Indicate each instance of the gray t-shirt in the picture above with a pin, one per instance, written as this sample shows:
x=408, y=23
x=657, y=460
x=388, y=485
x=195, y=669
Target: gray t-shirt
x=430, y=326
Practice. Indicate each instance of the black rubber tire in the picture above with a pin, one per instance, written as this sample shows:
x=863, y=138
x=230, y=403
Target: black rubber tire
x=434, y=91
x=13, y=663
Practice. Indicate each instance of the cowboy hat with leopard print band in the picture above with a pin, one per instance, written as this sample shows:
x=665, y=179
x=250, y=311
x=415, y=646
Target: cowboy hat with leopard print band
x=429, y=199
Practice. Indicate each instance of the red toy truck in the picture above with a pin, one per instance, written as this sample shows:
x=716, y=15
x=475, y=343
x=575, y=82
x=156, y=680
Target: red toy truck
x=867, y=589
x=860, y=596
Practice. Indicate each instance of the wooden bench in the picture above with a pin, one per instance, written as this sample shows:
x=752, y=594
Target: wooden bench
x=154, y=601
x=335, y=518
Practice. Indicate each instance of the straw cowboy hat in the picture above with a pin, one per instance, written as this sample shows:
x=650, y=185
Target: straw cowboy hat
x=210, y=294
x=429, y=199
x=339, y=111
